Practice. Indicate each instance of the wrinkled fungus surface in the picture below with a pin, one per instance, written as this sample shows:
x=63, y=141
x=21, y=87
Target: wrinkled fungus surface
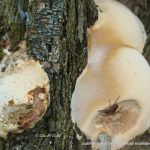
x=24, y=97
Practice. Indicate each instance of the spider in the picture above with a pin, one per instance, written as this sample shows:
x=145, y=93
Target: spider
x=111, y=109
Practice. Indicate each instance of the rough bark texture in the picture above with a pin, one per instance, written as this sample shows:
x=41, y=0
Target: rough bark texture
x=56, y=35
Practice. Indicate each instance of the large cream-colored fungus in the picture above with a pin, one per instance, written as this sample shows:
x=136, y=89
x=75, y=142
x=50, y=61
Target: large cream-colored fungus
x=115, y=69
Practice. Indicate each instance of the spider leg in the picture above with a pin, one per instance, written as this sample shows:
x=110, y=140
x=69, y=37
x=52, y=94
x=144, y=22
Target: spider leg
x=116, y=100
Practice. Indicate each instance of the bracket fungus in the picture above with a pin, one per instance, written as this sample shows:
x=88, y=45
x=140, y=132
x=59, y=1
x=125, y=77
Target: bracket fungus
x=116, y=68
x=24, y=88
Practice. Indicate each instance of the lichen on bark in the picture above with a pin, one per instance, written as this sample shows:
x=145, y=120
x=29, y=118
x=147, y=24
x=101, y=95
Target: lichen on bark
x=57, y=37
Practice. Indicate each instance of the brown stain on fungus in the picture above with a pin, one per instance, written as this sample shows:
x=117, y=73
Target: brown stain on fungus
x=26, y=121
x=11, y=103
x=37, y=109
x=33, y=94
x=37, y=90
x=122, y=120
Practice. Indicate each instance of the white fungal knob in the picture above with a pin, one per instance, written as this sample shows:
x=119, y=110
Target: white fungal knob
x=24, y=93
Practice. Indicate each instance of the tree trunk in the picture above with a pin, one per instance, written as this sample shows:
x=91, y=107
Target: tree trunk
x=56, y=35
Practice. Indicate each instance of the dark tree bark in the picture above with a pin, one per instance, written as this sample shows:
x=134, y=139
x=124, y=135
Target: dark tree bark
x=56, y=35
